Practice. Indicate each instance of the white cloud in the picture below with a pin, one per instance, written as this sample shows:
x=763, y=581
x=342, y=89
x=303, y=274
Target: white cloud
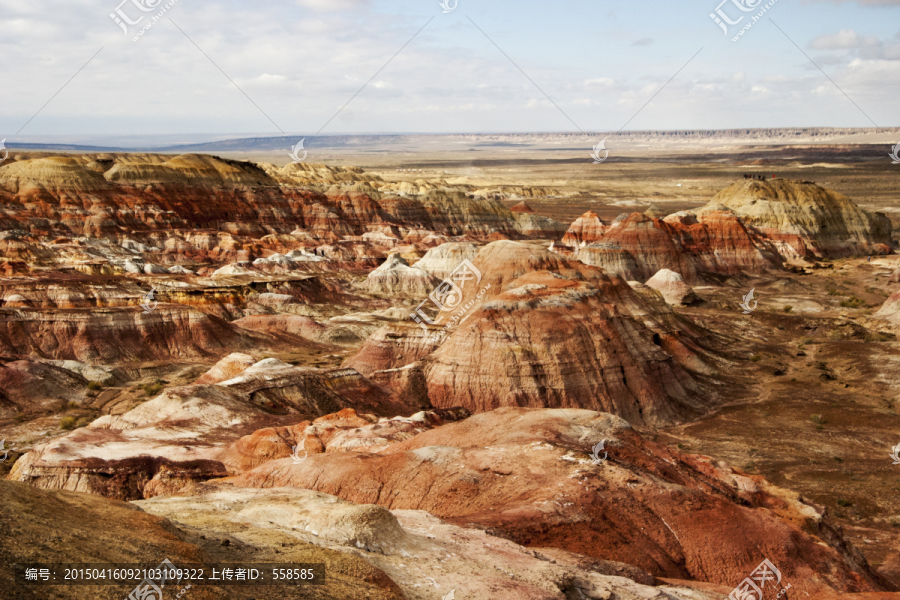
x=861, y=2
x=333, y=5
x=843, y=40
x=301, y=61
x=266, y=78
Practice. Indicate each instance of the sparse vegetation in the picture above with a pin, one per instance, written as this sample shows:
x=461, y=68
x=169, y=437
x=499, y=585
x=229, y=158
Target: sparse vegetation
x=817, y=419
x=787, y=308
x=94, y=386
x=755, y=358
x=852, y=302
x=835, y=336
x=152, y=389
x=842, y=502
x=68, y=423
x=837, y=459
x=877, y=337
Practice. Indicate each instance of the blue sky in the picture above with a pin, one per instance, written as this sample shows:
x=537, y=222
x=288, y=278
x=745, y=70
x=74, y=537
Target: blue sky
x=299, y=61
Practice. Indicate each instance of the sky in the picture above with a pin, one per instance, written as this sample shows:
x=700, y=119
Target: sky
x=406, y=66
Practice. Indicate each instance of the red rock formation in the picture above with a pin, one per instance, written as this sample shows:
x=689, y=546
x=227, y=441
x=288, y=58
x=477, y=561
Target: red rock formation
x=179, y=437
x=750, y=227
x=672, y=287
x=587, y=228
x=890, y=310
x=28, y=385
x=104, y=336
x=718, y=244
x=396, y=278
x=521, y=207
x=536, y=226
x=141, y=195
x=228, y=368
x=443, y=259
x=806, y=220
x=263, y=445
x=394, y=346
x=528, y=474
x=542, y=331
x=284, y=324
x=563, y=343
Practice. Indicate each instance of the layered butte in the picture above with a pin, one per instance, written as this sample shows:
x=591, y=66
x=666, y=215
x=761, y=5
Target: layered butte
x=750, y=227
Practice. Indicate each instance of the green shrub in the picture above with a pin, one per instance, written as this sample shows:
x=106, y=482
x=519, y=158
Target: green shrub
x=852, y=302
x=844, y=503
x=68, y=423
x=788, y=308
x=152, y=389
x=755, y=358
x=877, y=337
x=95, y=385
x=817, y=419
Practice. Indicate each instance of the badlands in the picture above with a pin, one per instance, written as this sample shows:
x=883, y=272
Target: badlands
x=443, y=380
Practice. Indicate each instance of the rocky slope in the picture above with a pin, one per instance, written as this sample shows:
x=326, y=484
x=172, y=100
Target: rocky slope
x=98, y=530
x=169, y=331
x=426, y=557
x=586, y=229
x=636, y=246
x=806, y=220
x=751, y=226
x=890, y=310
x=544, y=331
x=144, y=213
x=120, y=194
x=180, y=436
x=672, y=287
x=396, y=276
x=527, y=475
